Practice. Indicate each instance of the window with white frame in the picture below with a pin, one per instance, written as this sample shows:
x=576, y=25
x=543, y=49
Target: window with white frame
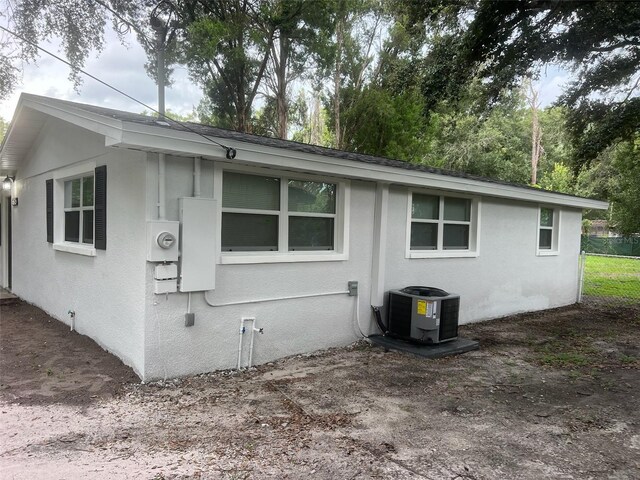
x=442, y=225
x=78, y=210
x=548, y=222
x=277, y=214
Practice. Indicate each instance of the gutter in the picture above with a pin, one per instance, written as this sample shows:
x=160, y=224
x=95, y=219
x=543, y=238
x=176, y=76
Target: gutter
x=143, y=137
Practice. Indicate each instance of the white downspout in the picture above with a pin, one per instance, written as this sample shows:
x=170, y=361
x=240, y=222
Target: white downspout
x=196, y=176
x=162, y=196
x=379, y=244
x=162, y=204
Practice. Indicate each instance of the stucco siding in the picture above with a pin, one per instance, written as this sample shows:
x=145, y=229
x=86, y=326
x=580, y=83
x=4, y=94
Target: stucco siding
x=290, y=326
x=507, y=276
x=105, y=291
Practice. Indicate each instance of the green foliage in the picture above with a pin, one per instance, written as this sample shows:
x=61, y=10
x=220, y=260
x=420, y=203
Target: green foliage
x=80, y=26
x=379, y=123
x=560, y=179
x=310, y=121
x=625, y=200
x=615, y=175
x=556, y=141
x=302, y=30
x=189, y=117
x=497, y=147
x=564, y=359
x=501, y=42
x=226, y=46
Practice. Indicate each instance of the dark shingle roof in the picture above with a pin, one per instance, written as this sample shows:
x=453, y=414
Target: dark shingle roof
x=222, y=133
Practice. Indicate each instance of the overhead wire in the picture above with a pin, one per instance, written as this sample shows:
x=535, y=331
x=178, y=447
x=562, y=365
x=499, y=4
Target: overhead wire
x=230, y=152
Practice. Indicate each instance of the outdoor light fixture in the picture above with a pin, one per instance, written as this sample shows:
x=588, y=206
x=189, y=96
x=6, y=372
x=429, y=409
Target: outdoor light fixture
x=7, y=182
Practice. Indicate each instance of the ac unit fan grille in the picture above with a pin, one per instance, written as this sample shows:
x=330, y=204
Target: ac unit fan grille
x=400, y=315
x=449, y=318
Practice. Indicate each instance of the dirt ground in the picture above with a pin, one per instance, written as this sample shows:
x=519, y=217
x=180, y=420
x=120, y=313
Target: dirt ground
x=553, y=394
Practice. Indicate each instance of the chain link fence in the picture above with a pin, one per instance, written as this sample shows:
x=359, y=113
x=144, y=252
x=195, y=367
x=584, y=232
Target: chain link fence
x=609, y=279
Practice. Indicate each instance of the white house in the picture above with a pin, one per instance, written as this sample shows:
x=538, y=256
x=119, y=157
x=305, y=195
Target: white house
x=129, y=229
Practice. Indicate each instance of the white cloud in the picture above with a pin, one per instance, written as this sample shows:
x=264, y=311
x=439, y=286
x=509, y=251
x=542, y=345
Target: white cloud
x=553, y=79
x=118, y=65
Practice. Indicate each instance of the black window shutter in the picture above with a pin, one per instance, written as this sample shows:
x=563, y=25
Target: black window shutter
x=50, y=211
x=100, y=206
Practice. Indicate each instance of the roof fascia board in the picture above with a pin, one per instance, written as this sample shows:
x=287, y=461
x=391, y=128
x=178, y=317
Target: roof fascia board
x=189, y=144
x=109, y=127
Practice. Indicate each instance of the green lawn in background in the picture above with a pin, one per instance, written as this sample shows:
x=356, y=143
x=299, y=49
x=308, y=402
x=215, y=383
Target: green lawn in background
x=612, y=277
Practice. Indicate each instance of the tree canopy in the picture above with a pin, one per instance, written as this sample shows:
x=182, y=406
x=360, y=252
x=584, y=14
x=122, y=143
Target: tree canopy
x=501, y=42
x=437, y=82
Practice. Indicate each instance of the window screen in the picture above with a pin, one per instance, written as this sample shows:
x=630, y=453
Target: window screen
x=250, y=191
x=310, y=233
x=249, y=232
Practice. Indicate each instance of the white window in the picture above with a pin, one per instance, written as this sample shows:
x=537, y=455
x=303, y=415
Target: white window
x=281, y=218
x=442, y=226
x=78, y=210
x=548, y=231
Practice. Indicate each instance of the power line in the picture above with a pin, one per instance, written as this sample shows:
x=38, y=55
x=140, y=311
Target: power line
x=231, y=152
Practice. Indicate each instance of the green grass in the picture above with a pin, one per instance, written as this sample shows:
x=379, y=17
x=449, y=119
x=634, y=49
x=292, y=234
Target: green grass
x=565, y=359
x=612, y=277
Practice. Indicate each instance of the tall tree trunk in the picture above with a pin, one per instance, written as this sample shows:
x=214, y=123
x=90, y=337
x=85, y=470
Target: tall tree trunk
x=536, y=132
x=315, y=126
x=282, y=105
x=336, y=80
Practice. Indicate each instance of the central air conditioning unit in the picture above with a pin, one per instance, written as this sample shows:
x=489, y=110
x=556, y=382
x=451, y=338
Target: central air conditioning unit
x=425, y=315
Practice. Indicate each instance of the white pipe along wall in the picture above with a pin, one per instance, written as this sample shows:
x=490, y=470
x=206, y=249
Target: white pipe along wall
x=162, y=200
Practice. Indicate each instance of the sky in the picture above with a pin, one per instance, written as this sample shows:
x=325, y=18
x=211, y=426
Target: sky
x=117, y=65
x=123, y=67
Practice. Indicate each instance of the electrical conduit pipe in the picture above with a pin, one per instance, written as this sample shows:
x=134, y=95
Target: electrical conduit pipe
x=241, y=332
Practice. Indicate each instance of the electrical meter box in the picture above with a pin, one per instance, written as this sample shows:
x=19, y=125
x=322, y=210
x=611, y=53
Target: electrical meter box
x=162, y=240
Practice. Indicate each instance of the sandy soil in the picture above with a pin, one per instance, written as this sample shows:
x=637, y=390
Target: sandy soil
x=549, y=395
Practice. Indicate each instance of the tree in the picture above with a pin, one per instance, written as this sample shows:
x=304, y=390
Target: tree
x=498, y=146
x=301, y=31
x=536, y=130
x=501, y=42
x=560, y=179
x=226, y=46
x=80, y=25
x=615, y=175
x=350, y=56
x=383, y=124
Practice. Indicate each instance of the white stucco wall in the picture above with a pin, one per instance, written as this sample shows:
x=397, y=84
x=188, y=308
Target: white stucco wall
x=106, y=291
x=507, y=277
x=4, y=204
x=290, y=326
x=112, y=293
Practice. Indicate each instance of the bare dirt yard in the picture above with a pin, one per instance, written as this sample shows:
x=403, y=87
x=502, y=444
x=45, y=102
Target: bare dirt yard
x=554, y=394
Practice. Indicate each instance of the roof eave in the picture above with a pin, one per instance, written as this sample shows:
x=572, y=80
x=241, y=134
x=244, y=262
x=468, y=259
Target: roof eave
x=109, y=127
x=159, y=139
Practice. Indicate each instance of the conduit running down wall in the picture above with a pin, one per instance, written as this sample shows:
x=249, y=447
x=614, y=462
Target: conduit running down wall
x=162, y=196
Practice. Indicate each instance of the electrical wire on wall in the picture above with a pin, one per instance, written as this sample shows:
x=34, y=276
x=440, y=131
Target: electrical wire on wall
x=230, y=152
